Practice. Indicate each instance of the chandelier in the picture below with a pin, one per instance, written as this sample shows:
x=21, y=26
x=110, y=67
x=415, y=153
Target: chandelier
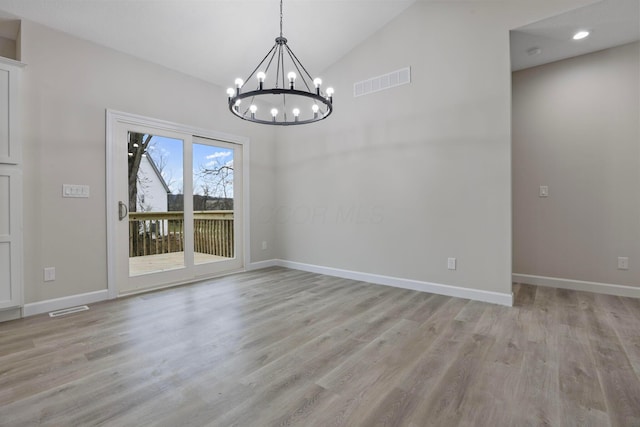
x=295, y=101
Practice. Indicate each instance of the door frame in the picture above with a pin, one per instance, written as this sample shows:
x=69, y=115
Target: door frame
x=113, y=120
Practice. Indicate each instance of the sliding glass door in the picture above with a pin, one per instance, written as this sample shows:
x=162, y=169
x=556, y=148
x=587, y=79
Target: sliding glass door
x=179, y=214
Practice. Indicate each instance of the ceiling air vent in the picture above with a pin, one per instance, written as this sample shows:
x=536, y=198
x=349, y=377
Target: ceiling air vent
x=386, y=81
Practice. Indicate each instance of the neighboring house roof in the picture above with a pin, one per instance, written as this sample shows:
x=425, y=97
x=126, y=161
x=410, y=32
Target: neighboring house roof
x=157, y=172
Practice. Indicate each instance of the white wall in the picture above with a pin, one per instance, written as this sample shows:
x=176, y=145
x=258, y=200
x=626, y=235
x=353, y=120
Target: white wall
x=67, y=85
x=576, y=128
x=423, y=169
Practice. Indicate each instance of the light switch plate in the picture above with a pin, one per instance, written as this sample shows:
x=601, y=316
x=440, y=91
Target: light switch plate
x=544, y=191
x=74, y=190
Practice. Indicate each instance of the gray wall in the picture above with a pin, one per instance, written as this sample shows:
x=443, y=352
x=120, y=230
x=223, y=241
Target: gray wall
x=399, y=180
x=67, y=85
x=576, y=129
x=393, y=184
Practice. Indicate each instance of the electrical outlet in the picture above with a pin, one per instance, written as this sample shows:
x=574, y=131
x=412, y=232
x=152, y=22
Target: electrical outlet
x=451, y=263
x=623, y=263
x=49, y=274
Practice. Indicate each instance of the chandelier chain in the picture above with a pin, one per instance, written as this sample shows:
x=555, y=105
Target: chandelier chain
x=280, y=18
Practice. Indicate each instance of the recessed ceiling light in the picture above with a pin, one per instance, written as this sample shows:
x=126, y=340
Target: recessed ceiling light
x=581, y=35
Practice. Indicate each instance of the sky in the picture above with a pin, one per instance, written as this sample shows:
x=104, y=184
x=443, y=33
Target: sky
x=167, y=153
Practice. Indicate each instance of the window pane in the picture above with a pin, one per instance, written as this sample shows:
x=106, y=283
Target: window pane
x=156, y=218
x=213, y=211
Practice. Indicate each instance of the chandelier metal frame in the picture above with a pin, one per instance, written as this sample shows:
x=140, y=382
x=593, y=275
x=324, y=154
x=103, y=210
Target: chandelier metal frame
x=321, y=101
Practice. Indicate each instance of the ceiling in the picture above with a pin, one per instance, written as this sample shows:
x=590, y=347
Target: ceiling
x=215, y=40
x=610, y=23
x=218, y=40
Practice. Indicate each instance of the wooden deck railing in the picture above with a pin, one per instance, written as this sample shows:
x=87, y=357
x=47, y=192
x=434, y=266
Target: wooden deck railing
x=152, y=233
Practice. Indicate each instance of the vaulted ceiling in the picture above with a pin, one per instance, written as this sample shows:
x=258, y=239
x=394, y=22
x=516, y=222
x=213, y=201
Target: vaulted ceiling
x=219, y=40
x=215, y=40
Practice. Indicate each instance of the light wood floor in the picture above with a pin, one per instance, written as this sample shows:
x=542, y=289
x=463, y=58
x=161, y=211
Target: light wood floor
x=283, y=347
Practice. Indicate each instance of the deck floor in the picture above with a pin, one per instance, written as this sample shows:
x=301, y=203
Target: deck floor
x=152, y=263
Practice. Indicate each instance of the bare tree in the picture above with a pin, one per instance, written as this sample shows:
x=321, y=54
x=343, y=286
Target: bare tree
x=217, y=182
x=160, y=159
x=138, y=145
x=218, y=179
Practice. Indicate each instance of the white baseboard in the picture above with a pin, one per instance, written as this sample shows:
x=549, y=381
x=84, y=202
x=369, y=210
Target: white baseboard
x=578, y=285
x=34, y=308
x=396, y=282
x=258, y=265
x=10, y=314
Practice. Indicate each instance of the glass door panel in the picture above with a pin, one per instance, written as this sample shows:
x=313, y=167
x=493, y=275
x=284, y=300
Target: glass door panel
x=156, y=211
x=160, y=237
x=213, y=203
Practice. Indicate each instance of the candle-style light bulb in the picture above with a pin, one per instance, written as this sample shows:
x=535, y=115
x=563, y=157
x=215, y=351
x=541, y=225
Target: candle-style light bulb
x=274, y=113
x=296, y=113
x=330, y=93
x=292, y=79
x=239, y=84
x=231, y=93
x=315, y=109
x=317, y=82
x=261, y=76
x=253, y=110
x=237, y=104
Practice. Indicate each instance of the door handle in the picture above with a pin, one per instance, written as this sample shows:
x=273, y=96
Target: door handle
x=122, y=207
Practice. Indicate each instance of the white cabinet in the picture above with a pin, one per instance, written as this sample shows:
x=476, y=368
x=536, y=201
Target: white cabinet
x=10, y=187
x=10, y=237
x=10, y=146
